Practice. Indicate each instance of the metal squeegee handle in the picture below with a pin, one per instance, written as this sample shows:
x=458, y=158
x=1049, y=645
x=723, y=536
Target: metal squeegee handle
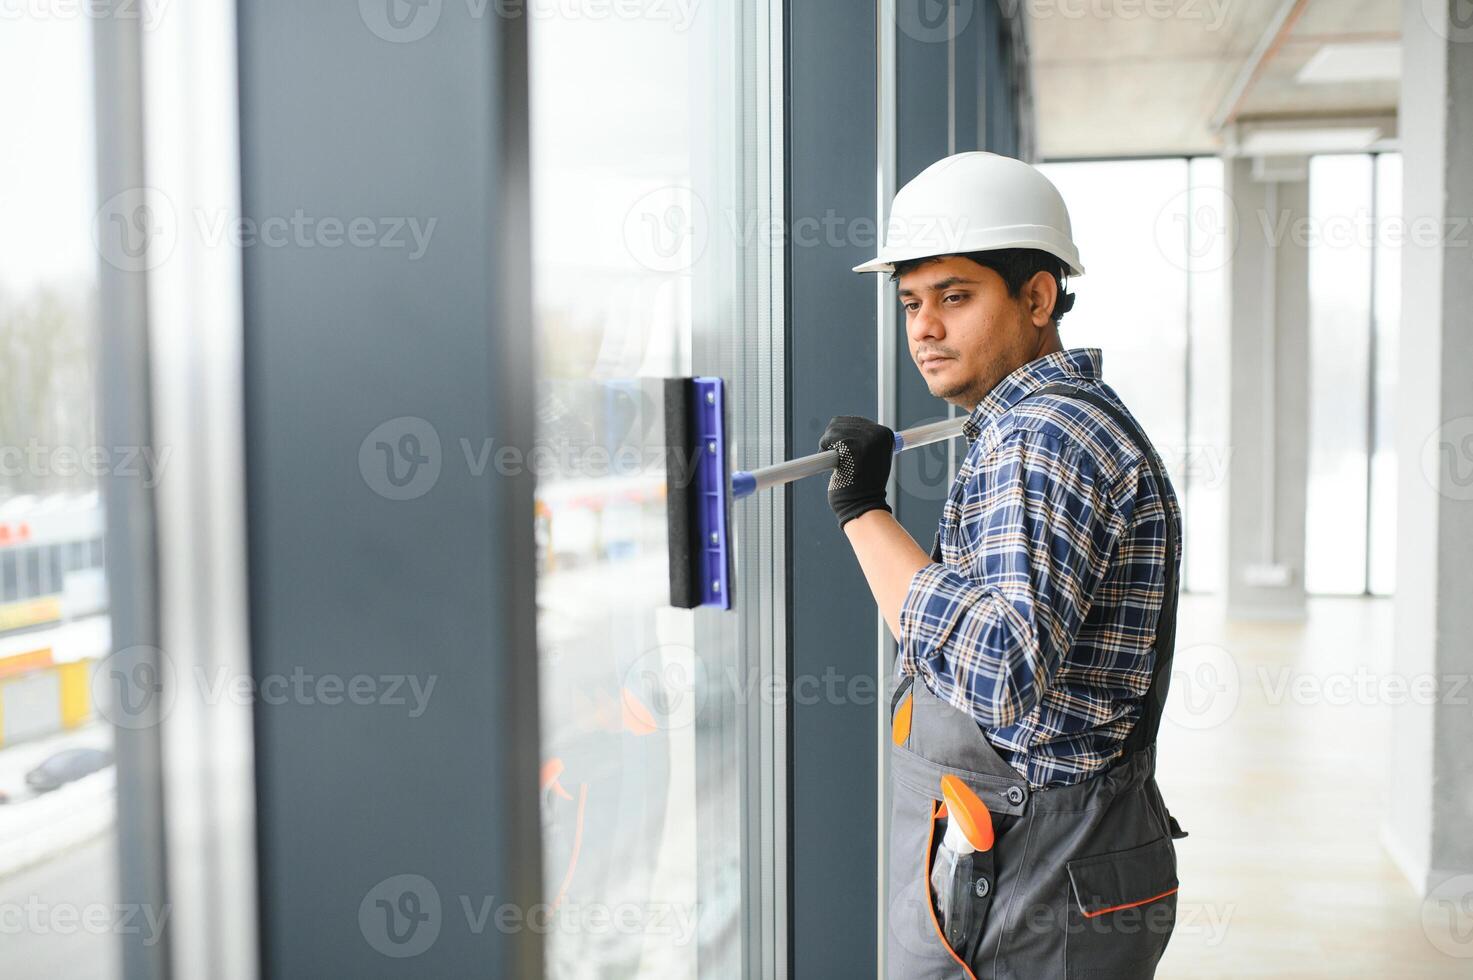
x=745, y=484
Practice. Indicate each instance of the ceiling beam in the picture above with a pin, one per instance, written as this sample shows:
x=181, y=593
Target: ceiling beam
x=1274, y=34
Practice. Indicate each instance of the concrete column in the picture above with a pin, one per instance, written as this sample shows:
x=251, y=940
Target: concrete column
x=1268, y=297
x=1431, y=805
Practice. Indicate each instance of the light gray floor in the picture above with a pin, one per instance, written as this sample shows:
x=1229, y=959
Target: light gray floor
x=1284, y=874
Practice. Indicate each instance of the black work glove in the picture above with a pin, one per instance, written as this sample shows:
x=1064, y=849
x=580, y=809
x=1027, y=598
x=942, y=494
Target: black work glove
x=865, y=449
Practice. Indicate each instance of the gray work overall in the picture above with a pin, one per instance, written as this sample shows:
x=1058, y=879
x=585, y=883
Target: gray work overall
x=1081, y=880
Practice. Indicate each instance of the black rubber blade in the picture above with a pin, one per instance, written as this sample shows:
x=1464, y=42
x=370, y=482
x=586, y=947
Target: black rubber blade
x=681, y=500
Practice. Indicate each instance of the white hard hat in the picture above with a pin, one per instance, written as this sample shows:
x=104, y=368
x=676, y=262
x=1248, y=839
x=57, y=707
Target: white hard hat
x=973, y=202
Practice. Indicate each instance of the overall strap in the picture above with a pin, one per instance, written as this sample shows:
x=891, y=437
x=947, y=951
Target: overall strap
x=1143, y=735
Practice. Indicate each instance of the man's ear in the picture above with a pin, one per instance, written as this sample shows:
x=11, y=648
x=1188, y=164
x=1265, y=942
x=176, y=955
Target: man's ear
x=1040, y=293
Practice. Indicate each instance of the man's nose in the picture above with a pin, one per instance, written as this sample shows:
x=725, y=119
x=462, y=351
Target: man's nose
x=926, y=324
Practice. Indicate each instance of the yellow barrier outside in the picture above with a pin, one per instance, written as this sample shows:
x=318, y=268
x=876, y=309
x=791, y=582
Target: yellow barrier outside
x=76, y=692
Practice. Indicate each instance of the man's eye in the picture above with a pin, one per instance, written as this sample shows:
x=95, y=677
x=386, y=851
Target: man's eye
x=911, y=307
x=955, y=296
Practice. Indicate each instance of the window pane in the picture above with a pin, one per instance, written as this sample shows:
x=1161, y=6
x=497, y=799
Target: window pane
x=1388, y=338
x=1131, y=224
x=634, y=147
x=1205, y=504
x=1129, y=220
x=55, y=751
x=1339, y=344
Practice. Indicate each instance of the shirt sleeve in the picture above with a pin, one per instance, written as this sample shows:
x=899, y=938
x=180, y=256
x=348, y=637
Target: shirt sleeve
x=1036, y=531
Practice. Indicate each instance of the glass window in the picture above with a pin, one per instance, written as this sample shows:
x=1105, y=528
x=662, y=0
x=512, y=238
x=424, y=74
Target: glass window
x=1205, y=465
x=1387, y=282
x=1130, y=222
x=1339, y=362
x=48, y=297
x=1145, y=229
x=637, y=147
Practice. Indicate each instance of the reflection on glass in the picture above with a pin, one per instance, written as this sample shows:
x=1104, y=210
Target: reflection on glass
x=619, y=171
x=57, y=847
x=1339, y=344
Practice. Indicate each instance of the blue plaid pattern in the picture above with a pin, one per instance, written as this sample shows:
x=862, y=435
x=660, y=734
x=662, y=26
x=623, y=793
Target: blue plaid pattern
x=1040, y=619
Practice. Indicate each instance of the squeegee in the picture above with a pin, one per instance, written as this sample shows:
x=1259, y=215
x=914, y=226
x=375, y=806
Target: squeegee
x=699, y=491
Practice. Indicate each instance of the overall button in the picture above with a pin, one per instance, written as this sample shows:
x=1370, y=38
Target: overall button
x=1014, y=795
x=982, y=888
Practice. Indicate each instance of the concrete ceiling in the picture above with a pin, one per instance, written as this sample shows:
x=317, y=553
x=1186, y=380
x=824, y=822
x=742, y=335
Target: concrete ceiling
x=1141, y=77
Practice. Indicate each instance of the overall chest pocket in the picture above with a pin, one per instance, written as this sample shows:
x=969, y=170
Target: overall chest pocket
x=1121, y=912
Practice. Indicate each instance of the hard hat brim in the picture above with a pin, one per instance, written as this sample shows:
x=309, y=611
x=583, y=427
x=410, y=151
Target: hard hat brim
x=886, y=262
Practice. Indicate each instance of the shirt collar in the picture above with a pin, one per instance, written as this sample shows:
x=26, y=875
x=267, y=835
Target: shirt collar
x=1078, y=363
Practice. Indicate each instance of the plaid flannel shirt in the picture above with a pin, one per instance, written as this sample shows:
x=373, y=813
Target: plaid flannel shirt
x=1040, y=620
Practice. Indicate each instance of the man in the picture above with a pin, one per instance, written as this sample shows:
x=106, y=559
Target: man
x=1035, y=640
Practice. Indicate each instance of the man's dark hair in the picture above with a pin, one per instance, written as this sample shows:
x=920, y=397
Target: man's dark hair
x=1015, y=265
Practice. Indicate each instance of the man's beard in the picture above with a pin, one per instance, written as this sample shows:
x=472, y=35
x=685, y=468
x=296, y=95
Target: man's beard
x=970, y=391
x=961, y=391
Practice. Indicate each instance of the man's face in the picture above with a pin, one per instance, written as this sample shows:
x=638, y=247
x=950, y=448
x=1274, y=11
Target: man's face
x=966, y=333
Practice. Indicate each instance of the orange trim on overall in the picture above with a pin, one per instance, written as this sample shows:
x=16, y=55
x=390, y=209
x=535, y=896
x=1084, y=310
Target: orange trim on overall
x=926, y=890
x=1131, y=905
x=562, y=891
x=900, y=727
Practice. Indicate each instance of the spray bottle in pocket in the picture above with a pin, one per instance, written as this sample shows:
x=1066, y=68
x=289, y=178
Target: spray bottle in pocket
x=959, y=876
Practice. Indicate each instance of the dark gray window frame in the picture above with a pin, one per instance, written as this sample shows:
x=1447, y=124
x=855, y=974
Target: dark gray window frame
x=339, y=121
x=859, y=124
